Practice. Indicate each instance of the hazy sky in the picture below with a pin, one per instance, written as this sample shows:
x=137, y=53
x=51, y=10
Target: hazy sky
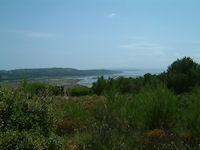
x=88, y=34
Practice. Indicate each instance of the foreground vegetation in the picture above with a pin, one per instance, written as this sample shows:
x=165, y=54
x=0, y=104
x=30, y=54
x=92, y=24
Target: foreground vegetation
x=146, y=113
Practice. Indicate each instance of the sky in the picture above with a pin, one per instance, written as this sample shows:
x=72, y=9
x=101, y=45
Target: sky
x=98, y=34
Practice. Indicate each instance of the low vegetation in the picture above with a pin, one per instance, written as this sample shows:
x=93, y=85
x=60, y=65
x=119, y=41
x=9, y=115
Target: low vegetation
x=145, y=113
x=37, y=88
x=79, y=91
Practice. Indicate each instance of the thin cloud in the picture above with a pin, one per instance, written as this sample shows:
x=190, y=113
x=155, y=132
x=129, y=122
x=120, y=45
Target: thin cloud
x=111, y=15
x=39, y=35
x=137, y=38
x=142, y=46
x=32, y=34
x=146, y=49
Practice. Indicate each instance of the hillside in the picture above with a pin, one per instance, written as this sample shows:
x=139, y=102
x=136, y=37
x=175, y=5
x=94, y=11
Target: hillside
x=51, y=73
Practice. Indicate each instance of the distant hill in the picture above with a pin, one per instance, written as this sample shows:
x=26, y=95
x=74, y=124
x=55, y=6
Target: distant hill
x=51, y=73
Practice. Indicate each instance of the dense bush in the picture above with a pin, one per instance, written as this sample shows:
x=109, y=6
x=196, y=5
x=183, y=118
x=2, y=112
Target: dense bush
x=159, y=108
x=39, y=88
x=191, y=111
x=155, y=118
x=183, y=75
x=79, y=91
x=123, y=85
x=27, y=123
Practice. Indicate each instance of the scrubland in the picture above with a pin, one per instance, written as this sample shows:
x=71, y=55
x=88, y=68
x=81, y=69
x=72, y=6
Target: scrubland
x=153, y=112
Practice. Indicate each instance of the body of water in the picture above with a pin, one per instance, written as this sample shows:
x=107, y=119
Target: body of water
x=88, y=80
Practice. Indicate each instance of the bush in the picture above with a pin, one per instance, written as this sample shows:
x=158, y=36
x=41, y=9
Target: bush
x=190, y=113
x=40, y=88
x=29, y=140
x=124, y=85
x=159, y=108
x=27, y=123
x=86, y=141
x=79, y=91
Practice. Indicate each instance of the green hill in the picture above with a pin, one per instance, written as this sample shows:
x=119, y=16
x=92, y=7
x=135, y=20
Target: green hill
x=51, y=73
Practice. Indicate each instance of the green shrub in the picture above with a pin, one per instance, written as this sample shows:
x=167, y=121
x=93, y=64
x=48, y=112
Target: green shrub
x=191, y=111
x=75, y=110
x=79, y=91
x=27, y=123
x=29, y=140
x=86, y=141
x=55, y=90
x=40, y=88
x=75, y=116
x=159, y=108
x=124, y=85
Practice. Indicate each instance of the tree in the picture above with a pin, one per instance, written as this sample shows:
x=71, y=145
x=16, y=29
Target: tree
x=99, y=86
x=183, y=75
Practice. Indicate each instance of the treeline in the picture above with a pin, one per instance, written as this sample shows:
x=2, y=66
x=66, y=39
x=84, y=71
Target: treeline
x=181, y=76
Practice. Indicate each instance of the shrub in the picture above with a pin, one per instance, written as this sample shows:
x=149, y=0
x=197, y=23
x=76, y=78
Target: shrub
x=159, y=108
x=79, y=91
x=75, y=118
x=40, y=88
x=75, y=110
x=27, y=123
x=124, y=85
x=191, y=111
x=68, y=126
x=29, y=140
x=86, y=141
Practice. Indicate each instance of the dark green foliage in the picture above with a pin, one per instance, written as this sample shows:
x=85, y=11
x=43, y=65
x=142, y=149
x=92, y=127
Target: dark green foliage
x=191, y=111
x=79, y=91
x=99, y=86
x=123, y=85
x=183, y=75
x=159, y=106
x=162, y=77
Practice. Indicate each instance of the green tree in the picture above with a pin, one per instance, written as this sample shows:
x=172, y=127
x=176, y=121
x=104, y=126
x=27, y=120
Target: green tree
x=183, y=75
x=99, y=86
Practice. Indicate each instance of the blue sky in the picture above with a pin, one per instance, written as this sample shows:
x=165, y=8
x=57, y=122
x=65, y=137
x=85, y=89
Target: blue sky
x=88, y=34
